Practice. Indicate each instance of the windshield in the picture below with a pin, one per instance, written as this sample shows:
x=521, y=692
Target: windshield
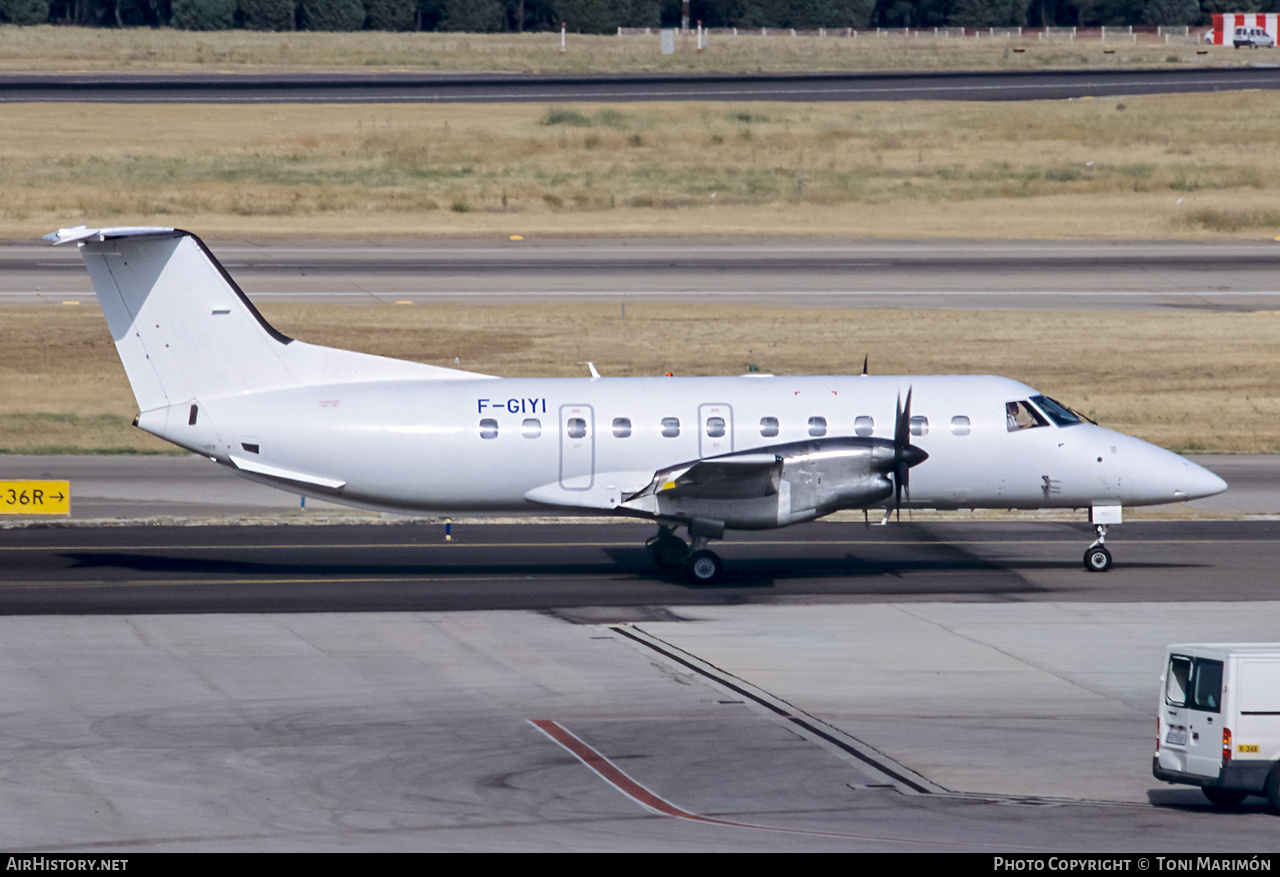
x=1058, y=413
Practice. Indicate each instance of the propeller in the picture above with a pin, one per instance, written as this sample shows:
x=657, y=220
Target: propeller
x=905, y=454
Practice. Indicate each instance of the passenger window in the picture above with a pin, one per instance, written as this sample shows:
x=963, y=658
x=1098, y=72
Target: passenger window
x=576, y=427
x=715, y=427
x=488, y=428
x=959, y=425
x=531, y=428
x=864, y=425
x=671, y=426
x=817, y=426
x=621, y=427
x=768, y=426
x=919, y=425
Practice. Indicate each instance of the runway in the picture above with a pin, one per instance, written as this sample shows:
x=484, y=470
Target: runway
x=367, y=87
x=846, y=273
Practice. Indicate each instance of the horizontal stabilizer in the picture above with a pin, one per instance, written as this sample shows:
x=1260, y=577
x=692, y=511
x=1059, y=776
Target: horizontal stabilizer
x=256, y=468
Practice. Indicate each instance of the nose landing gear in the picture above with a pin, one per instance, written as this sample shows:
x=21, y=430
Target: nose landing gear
x=1096, y=557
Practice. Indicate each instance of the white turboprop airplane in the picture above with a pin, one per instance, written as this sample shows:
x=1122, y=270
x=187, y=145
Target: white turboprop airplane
x=708, y=454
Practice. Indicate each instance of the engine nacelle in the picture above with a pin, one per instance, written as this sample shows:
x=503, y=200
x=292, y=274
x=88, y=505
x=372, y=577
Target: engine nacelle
x=783, y=484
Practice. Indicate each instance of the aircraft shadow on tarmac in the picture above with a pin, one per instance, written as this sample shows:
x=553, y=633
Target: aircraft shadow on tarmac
x=622, y=575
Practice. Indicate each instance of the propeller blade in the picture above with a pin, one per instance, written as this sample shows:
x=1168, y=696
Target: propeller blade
x=905, y=454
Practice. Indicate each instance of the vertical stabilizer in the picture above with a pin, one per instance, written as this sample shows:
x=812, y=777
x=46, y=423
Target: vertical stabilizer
x=183, y=329
x=186, y=333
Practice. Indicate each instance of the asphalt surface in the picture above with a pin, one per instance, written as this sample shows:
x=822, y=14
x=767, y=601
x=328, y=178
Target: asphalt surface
x=508, y=88
x=411, y=567
x=848, y=273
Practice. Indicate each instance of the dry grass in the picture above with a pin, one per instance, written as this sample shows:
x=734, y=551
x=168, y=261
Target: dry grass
x=1144, y=167
x=142, y=49
x=1194, y=382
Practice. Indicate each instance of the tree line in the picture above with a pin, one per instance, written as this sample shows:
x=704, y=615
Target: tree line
x=605, y=16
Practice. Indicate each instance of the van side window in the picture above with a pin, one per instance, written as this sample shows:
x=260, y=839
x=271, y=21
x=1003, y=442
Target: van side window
x=1175, y=690
x=1206, y=685
x=1194, y=683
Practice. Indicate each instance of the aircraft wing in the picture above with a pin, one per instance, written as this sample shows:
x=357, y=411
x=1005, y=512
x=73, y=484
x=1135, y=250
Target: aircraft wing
x=737, y=476
x=763, y=488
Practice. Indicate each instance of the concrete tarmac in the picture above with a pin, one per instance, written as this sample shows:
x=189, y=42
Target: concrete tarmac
x=1030, y=727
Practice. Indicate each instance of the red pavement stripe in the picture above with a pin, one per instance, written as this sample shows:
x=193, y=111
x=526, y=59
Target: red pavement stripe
x=613, y=775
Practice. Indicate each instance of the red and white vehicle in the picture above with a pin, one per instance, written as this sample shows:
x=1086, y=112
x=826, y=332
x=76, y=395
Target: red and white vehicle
x=1239, y=29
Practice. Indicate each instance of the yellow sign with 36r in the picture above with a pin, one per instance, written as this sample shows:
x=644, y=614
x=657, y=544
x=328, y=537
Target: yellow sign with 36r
x=35, y=498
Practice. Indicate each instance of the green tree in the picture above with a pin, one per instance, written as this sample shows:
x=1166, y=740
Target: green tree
x=472, y=16
x=988, y=13
x=203, y=14
x=268, y=14
x=24, y=11
x=332, y=15
x=641, y=13
x=393, y=15
x=860, y=13
x=588, y=16
x=1171, y=12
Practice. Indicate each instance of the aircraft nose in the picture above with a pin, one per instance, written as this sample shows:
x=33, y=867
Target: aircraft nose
x=1200, y=482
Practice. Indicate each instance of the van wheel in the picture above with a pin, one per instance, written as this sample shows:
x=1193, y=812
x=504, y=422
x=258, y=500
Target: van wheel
x=1273, y=790
x=1224, y=797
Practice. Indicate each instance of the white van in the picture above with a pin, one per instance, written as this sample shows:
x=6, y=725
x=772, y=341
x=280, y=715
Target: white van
x=1219, y=720
x=1251, y=37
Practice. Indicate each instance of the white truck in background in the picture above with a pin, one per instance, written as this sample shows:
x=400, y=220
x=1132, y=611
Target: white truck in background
x=1218, y=724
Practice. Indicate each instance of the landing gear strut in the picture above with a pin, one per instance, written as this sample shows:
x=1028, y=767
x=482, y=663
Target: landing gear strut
x=670, y=553
x=1096, y=557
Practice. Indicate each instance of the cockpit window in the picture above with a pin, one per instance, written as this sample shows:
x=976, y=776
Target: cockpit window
x=1058, y=413
x=1020, y=415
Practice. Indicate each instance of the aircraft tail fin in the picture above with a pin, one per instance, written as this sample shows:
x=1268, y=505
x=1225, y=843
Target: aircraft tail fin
x=185, y=331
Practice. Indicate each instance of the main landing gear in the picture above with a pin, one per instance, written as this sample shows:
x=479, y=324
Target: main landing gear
x=1096, y=557
x=671, y=553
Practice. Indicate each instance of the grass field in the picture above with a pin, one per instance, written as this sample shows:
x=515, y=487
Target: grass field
x=1182, y=166
x=60, y=48
x=1192, y=382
